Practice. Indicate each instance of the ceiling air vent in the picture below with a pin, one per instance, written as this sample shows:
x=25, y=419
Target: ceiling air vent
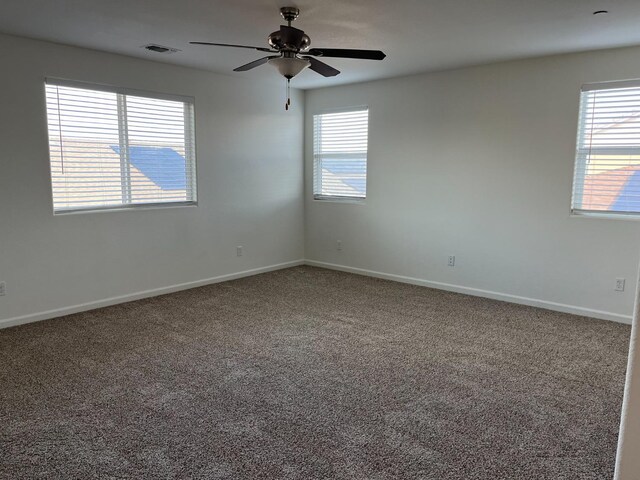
x=152, y=47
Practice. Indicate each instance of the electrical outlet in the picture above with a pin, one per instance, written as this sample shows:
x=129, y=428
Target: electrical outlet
x=339, y=245
x=620, y=284
x=239, y=250
x=452, y=261
x=3, y=288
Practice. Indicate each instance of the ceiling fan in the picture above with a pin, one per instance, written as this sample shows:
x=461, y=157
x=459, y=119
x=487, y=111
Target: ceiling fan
x=292, y=52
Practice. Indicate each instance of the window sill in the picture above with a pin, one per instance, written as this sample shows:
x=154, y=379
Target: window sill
x=606, y=216
x=124, y=208
x=351, y=200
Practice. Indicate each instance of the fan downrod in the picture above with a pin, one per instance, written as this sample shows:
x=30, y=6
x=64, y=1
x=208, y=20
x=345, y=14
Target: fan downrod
x=289, y=13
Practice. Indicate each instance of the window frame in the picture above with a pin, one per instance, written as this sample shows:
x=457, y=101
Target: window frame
x=582, y=152
x=314, y=181
x=190, y=146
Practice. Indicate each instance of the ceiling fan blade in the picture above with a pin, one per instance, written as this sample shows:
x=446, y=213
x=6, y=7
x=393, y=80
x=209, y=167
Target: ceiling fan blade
x=254, y=64
x=260, y=49
x=291, y=36
x=322, y=68
x=347, y=53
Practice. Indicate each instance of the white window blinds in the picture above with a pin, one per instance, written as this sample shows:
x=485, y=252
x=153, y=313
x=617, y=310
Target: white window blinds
x=607, y=168
x=111, y=148
x=340, y=154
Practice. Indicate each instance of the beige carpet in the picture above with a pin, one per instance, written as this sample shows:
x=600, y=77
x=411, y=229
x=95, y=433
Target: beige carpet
x=308, y=373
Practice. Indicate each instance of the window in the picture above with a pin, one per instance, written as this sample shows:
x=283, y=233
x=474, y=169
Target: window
x=111, y=148
x=340, y=154
x=607, y=169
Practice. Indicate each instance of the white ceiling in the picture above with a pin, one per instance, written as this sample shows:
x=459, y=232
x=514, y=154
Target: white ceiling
x=416, y=35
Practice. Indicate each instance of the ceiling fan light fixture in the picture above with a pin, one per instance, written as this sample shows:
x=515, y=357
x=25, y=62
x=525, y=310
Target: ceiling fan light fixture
x=289, y=67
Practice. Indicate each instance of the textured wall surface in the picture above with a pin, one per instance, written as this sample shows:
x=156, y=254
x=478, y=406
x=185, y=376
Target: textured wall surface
x=478, y=163
x=249, y=186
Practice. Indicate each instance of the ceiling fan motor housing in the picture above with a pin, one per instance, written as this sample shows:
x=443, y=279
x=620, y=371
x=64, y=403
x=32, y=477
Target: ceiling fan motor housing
x=275, y=40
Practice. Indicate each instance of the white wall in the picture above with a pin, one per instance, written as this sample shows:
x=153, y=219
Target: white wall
x=249, y=159
x=627, y=458
x=478, y=163
x=474, y=162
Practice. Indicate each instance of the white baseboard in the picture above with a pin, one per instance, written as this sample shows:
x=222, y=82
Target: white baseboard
x=83, y=307
x=505, y=297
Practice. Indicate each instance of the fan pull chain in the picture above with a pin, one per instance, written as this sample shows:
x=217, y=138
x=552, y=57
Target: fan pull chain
x=288, y=102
